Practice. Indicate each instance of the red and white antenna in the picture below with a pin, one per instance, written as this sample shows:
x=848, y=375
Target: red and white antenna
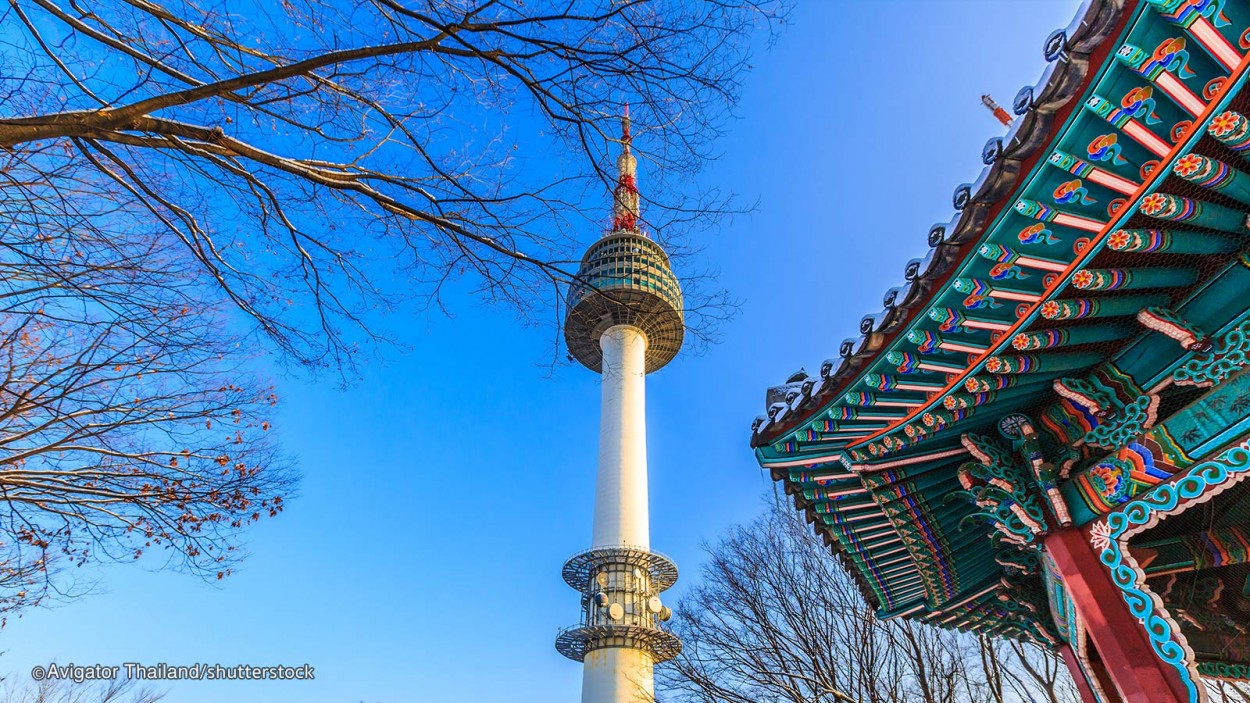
x=627, y=199
x=999, y=113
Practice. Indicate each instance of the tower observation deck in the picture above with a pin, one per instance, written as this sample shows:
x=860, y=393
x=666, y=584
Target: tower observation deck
x=624, y=321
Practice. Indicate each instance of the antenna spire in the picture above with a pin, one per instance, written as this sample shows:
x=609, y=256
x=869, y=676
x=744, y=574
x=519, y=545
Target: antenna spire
x=625, y=196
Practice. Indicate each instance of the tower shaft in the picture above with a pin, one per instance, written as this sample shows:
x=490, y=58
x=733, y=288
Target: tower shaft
x=621, y=482
x=618, y=675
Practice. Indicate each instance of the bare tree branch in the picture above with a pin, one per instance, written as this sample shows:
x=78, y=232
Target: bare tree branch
x=775, y=619
x=318, y=162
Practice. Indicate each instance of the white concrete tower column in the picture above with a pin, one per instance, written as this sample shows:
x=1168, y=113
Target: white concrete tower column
x=621, y=482
x=621, y=674
x=618, y=675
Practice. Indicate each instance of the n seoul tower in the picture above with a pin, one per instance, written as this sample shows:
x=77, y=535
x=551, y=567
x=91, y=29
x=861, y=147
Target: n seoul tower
x=624, y=321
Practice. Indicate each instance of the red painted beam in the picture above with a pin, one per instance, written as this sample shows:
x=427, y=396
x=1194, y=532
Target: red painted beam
x=1079, y=677
x=1137, y=673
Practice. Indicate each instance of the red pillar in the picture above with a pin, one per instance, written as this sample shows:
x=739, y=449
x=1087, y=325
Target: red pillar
x=1138, y=674
x=1079, y=676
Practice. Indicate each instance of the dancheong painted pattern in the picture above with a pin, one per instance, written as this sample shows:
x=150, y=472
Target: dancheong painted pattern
x=1073, y=344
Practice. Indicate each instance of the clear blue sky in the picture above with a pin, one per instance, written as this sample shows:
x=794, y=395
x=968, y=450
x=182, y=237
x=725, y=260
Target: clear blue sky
x=421, y=560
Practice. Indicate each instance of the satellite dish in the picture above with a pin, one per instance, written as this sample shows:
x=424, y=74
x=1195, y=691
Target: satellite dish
x=653, y=604
x=637, y=573
x=665, y=613
x=602, y=578
x=616, y=611
x=601, y=599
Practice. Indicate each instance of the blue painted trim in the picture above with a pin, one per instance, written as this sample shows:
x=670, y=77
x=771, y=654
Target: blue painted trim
x=1202, y=480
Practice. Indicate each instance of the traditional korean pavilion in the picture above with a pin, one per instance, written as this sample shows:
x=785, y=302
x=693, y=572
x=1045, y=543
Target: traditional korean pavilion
x=1045, y=434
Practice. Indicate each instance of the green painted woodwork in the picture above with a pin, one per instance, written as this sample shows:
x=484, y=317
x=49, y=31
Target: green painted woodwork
x=1166, y=241
x=1036, y=314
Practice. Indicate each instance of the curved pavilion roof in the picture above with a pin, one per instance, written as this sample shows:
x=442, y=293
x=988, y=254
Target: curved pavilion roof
x=1038, y=275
